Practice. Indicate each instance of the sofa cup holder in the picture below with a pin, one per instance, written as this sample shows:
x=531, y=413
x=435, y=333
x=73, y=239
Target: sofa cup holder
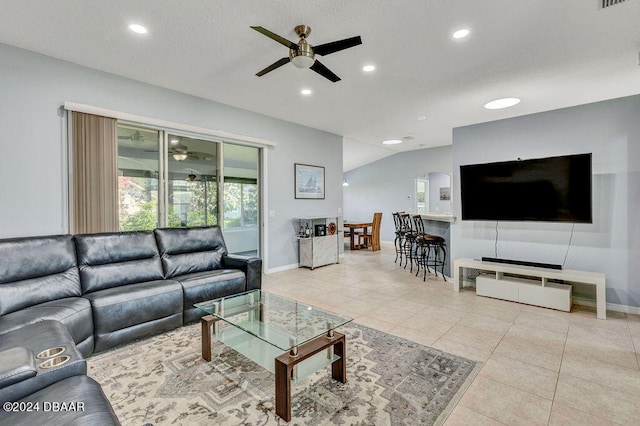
x=48, y=353
x=55, y=362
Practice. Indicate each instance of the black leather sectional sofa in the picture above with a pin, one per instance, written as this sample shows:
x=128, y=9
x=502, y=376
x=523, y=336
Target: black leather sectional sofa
x=89, y=293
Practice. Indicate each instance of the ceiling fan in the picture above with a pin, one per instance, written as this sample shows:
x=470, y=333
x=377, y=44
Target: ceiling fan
x=303, y=55
x=134, y=137
x=181, y=152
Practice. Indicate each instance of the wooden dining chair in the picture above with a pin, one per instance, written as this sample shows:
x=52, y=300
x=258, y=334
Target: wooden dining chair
x=372, y=238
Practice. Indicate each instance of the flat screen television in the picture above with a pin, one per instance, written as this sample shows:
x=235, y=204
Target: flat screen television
x=553, y=189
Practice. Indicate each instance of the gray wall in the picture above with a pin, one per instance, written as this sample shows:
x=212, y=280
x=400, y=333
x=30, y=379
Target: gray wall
x=32, y=165
x=386, y=185
x=611, y=131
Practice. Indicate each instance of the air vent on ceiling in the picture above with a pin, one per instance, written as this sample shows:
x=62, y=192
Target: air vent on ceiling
x=608, y=3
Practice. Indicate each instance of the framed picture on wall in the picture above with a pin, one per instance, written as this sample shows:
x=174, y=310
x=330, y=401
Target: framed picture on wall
x=445, y=193
x=309, y=181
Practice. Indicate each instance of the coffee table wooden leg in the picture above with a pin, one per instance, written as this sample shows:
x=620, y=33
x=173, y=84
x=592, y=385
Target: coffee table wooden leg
x=287, y=362
x=339, y=367
x=206, y=325
x=283, y=389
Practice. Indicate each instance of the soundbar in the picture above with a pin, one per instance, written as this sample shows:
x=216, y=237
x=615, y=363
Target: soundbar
x=522, y=262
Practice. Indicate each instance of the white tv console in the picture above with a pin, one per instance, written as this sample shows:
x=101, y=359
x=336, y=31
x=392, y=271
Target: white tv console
x=535, y=288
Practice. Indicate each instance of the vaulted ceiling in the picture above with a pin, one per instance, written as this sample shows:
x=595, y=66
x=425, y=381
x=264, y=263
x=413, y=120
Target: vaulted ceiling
x=549, y=53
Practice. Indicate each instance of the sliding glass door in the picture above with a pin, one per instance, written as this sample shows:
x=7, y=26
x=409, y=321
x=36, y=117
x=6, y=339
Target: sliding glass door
x=241, y=199
x=138, y=177
x=192, y=190
x=171, y=179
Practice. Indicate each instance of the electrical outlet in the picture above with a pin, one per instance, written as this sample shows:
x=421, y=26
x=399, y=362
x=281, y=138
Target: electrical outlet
x=272, y=213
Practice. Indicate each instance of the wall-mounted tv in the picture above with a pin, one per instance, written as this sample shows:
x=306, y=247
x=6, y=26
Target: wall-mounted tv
x=553, y=189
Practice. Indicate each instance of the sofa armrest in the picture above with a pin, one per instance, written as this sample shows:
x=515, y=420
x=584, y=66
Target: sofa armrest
x=251, y=266
x=16, y=365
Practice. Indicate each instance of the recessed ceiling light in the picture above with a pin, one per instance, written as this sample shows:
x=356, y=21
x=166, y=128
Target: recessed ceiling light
x=502, y=103
x=368, y=68
x=305, y=92
x=421, y=117
x=461, y=33
x=138, y=29
x=392, y=142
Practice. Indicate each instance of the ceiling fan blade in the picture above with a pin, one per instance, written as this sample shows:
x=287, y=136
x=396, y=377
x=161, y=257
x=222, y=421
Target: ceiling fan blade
x=276, y=37
x=273, y=66
x=335, y=46
x=324, y=71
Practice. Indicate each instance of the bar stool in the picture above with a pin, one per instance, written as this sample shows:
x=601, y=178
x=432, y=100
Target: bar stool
x=436, y=254
x=431, y=250
x=399, y=239
x=409, y=240
x=421, y=248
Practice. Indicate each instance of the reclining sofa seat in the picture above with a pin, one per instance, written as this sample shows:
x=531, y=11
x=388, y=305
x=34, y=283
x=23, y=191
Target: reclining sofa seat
x=197, y=257
x=39, y=280
x=121, y=276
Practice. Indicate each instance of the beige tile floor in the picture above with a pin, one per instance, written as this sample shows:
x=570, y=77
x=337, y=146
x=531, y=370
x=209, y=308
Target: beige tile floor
x=540, y=366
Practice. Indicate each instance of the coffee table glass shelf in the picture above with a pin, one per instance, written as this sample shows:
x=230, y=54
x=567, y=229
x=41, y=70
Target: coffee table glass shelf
x=289, y=338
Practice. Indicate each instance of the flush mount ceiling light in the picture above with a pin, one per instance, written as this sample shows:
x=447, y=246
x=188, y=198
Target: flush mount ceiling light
x=421, y=117
x=306, y=92
x=138, y=29
x=462, y=33
x=369, y=68
x=502, y=103
x=392, y=142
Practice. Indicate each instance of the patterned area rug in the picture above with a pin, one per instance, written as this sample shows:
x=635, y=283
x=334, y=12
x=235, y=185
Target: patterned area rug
x=390, y=381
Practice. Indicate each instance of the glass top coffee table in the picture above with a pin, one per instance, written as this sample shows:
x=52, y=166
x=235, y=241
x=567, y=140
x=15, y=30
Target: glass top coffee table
x=289, y=338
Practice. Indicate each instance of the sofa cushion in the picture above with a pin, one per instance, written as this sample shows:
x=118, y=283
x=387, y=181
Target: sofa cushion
x=91, y=405
x=74, y=313
x=115, y=259
x=118, y=308
x=124, y=314
x=189, y=250
x=36, y=270
x=203, y=286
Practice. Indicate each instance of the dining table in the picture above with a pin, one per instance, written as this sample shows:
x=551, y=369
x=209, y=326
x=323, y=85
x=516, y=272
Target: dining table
x=353, y=226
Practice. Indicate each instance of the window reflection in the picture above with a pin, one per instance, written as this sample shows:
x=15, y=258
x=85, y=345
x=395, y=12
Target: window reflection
x=138, y=178
x=193, y=192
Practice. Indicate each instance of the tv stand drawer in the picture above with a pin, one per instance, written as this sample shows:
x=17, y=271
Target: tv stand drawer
x=531, y=292
x=499, y=289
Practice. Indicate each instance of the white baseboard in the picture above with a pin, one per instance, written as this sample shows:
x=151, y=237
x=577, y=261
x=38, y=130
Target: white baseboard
x=281, y=268
x=610, y=306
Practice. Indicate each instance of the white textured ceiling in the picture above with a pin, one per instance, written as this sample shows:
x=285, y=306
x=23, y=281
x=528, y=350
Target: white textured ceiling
x=550, y=53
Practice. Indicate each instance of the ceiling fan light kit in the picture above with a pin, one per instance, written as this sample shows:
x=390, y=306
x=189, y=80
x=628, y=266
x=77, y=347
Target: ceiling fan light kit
x=179, y=157
x=303, y=55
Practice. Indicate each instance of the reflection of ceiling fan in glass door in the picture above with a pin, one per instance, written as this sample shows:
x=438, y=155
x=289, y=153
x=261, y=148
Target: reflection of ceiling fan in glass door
x=181, y=152
x=136, y=136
